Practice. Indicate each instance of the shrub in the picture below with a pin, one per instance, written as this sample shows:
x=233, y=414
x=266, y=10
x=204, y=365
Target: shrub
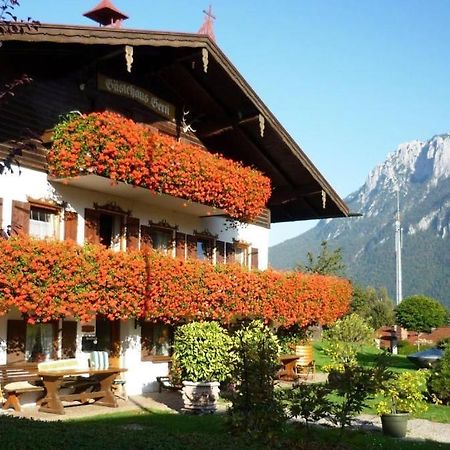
x=406, y=348
x=403, y=393
x=354, y=385
x=444, y=343
x=373, y=305
x=439, y=382
x=420, y=313
x=352, y=329
x=202, y=352
x=308, y=401
x=255, y=408
x=288, y=338
x=342, y=354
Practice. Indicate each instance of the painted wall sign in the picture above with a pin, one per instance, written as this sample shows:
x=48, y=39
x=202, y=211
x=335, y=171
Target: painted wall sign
x=138, y=94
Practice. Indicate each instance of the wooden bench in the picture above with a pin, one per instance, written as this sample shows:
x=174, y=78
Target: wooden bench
x=17, y=380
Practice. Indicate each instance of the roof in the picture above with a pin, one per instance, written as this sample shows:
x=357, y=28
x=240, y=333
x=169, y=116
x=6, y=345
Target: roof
x=229, y=114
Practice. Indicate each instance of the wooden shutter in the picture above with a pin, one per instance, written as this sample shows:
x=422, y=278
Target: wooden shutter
x=146, y=239
x=191, y=247
x=254, y=258
x=146, y=340
x=70, y=226
x=91, y=226
x=132, y=233
x=69, y=339
x=16, y=334
x=180, y=239
x=230, y=253
x=220, y=252
x=20, y=218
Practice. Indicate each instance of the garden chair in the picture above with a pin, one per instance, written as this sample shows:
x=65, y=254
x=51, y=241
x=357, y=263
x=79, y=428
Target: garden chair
x=305, y=365
x=100, y=360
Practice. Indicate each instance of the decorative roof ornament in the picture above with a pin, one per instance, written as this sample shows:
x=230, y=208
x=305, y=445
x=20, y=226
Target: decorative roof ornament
x=106, y=14
x=208, y=24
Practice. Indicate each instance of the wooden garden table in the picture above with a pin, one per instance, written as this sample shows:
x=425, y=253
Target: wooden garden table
x=100, y=379
x=287, y=372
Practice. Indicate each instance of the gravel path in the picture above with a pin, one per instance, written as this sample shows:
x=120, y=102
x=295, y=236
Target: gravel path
x=417, y=428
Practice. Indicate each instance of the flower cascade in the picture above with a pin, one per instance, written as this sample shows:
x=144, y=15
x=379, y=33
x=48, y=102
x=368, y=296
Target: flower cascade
x=110, y=145
x=106, y=144
x=47, y=280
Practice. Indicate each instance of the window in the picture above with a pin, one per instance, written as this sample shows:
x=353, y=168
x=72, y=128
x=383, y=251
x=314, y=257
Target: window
x=42, y=222
x=104, y=336
x=156, y=341
x=162, y=240
x=102, y=227
x=204, y=249
x=106, y=229
x=241, y=254
x=39, y=342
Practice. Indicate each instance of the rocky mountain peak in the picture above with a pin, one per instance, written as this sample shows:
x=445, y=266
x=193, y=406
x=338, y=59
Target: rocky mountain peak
x=421, y=170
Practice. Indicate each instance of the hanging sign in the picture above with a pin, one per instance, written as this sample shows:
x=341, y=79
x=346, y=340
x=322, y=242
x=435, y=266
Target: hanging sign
x=138, y=94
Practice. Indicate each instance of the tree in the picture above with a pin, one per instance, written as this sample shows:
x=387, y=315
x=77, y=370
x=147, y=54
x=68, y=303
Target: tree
x=374, y=305
x=421, y=313
x=9, y=22
x=326, y=263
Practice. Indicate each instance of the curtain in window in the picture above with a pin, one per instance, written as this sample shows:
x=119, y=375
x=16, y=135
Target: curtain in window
x=39, y=342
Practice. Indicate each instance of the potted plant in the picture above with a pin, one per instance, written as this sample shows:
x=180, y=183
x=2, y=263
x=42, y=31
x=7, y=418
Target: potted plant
x=202, y=358
x=401, y=395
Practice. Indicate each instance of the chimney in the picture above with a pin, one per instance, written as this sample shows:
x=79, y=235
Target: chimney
x=106, y=14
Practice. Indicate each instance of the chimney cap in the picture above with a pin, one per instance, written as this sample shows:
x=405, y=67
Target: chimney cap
x=105, y=13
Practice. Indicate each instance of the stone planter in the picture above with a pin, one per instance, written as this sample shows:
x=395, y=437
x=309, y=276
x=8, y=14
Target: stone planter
x=394, y=425
x=200, y=397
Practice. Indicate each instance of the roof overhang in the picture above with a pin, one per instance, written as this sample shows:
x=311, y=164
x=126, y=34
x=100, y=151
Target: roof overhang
x=230, y=110
x=138, y=194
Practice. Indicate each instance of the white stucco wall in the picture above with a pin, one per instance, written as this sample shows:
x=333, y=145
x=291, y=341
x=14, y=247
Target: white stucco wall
x=141, y=375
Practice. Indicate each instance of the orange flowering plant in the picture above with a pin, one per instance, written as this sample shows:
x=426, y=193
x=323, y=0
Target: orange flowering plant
x=110, y=145
x=47, y=280
x=106, y=144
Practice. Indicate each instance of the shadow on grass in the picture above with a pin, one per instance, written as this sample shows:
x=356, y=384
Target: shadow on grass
x=160, y=430
x=396, y=362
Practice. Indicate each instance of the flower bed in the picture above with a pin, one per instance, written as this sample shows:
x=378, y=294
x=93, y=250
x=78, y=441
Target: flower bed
x=47, y=279
x=110, y=145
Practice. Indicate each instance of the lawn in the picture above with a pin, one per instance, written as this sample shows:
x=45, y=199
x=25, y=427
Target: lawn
x=367, y=356
x=161, y=431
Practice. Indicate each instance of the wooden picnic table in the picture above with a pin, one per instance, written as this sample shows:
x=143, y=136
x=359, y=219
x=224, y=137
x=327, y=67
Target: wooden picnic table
x=287, y=372
x=99, y=380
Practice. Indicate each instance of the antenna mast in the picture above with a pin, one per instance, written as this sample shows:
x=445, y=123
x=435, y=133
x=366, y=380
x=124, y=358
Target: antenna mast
x=398, y=253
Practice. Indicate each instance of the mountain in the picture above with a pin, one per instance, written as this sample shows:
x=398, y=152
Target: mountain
x=421, y=170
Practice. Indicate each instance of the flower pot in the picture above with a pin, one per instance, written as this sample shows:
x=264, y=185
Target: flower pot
x=394, y=425
x=200, y=397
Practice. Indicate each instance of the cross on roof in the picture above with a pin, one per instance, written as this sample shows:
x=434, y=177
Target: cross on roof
x=208, y=24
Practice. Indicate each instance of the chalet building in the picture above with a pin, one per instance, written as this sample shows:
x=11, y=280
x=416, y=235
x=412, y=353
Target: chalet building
x=178, y=85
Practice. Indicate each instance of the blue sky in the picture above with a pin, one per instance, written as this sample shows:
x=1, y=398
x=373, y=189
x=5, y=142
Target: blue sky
x=349, y=79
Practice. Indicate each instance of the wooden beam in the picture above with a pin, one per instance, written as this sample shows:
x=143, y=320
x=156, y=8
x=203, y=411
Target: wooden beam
x=283, y=195
x=267, y=159
x=229, y=127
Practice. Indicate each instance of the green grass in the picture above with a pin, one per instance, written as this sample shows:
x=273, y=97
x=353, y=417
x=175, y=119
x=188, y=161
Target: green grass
x=161, y=431
x=367, y=356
